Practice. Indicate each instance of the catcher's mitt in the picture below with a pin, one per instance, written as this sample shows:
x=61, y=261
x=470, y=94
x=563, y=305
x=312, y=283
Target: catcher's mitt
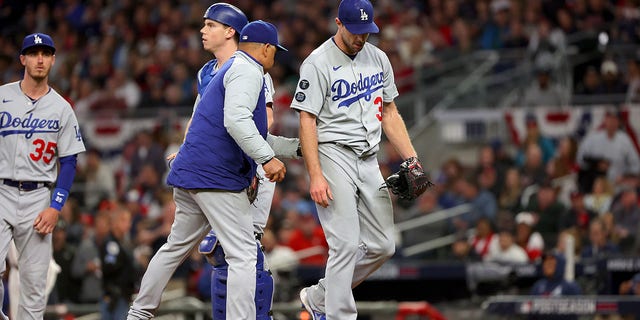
x=410, y=182
x=252, y=191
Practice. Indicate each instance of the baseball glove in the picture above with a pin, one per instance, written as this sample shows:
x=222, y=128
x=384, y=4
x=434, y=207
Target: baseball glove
x=252, y=190
x=410, y=182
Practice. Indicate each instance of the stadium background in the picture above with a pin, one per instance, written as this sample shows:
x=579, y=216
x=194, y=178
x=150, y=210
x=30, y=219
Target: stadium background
x=468, y=74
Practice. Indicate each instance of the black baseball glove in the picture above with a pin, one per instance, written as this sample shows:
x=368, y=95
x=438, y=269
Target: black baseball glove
x=410, y=182
x=252, y=191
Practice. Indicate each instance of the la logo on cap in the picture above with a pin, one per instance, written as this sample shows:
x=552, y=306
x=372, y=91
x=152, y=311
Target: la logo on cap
x=37, y=39
x=363, y=15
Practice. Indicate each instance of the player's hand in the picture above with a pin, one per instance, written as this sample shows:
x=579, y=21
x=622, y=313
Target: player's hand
x=172, y=156
x=46, y=221
x=274, y=170
x=320, y=191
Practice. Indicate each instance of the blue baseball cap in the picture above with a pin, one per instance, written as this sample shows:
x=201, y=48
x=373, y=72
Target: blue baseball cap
x=261, y=32
x=37, y=40
x=357, y=16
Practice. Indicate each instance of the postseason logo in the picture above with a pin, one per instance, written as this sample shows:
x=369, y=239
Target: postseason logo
x=350, y=92
x=28, y=126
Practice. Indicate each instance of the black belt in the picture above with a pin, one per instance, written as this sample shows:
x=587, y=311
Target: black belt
x=25, y=185
x=344, y=146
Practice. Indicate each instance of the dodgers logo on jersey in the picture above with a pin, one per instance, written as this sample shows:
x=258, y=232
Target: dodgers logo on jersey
x=28, y=126
x=352, y=92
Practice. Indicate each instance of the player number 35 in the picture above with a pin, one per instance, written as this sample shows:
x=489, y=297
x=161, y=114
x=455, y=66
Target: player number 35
x=44, y=150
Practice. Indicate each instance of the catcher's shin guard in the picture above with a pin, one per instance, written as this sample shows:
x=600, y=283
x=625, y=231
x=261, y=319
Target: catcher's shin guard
x=264, y=288
x=212, y=250
x=264, y=281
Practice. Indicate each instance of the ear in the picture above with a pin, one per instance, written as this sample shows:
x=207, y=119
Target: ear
x=22, y=59
x=230, y=32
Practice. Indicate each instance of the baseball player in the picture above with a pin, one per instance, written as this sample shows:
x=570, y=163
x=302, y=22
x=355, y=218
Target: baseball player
x=222, y=45
x=213, y=168
x=39, y=134
x=345, y=97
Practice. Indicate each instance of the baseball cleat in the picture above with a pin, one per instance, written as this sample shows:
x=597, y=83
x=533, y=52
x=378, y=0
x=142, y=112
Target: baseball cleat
x=315, y=315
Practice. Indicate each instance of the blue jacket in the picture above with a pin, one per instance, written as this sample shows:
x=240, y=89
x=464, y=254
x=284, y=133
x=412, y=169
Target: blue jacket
x=232, y=103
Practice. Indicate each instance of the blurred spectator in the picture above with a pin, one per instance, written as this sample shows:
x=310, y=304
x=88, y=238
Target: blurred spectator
x=66, y=287
x=308, y=240
x=578, y=216
x=631, y=286
x=490, y=173
x=590, y=83
x=461, y=250
x=626, y=214
x=123, y=87
x=71, y=215
x=563, y=238
x=611, y=81
x=545, y=205
x=484, y=238
x=450, y=172
x=609, y=151
x=482, y=202
x=119, y=270
x=527, y=237
x=86, y=263
x=633, y=80
x=509, y=199
x=564, y=162
x=495, y=32
x=427, y=203
x=147, y=152
x=553, y=284
x=599, y=246
x=601, y=196
x=99, y=181
x=507, y=251
x=533, y=171
x=534, y=136
x=543, y=91
x=545, y=42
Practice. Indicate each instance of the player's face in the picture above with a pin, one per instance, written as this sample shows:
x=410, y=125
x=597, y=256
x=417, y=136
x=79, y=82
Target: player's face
x=37, y=63
x=350, y=43
x=214, y=35
x=270, y=55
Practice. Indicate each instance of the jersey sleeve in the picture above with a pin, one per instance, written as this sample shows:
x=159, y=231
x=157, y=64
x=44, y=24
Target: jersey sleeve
x=269, y=90
x=242, y=89
x=389, y=91
x=310, y=92
x=69, y=137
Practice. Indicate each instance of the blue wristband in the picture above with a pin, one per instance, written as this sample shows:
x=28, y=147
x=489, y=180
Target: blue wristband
x=58, y=198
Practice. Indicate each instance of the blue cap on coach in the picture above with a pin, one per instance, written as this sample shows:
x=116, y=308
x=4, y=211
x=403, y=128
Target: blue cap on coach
x=37, y=40
x=357, y=16
x=261, y=32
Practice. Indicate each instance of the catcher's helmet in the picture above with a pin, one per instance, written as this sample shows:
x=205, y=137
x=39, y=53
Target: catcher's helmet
x=227, y=14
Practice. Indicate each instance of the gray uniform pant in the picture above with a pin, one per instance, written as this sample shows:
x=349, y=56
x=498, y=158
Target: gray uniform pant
x=358, y=225
x=18, y=210
x=196, y=212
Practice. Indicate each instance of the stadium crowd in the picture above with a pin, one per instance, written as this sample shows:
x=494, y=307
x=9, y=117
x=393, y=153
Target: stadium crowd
x=116, y=58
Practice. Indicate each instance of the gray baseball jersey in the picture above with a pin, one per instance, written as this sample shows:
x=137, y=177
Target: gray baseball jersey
x=346, y=95
x=34, y=135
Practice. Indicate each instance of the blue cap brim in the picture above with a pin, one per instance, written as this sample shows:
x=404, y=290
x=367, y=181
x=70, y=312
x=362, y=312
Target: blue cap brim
x=281, y=48
x=362, y=28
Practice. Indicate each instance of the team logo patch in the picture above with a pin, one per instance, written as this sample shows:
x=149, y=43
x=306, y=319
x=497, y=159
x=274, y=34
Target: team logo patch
x=300, y=96
x=304, y=84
